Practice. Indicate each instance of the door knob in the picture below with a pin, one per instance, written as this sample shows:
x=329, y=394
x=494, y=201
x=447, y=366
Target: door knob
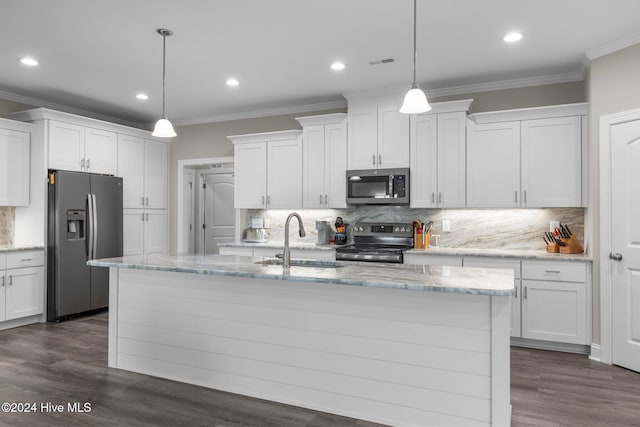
x=616, y=256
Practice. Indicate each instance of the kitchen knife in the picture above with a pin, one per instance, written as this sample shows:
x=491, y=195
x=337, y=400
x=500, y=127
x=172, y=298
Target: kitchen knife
x=566, y=227
x=545, y=240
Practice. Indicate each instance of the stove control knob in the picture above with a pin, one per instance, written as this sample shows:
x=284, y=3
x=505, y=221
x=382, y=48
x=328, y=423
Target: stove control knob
x=396, y=229
x=360, y=229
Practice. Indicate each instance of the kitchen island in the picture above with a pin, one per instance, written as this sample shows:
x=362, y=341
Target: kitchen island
x=395, y=344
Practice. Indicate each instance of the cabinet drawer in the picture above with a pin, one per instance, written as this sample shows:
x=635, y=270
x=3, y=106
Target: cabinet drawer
x=561, y=271
x=482, y=262
x=22, y=259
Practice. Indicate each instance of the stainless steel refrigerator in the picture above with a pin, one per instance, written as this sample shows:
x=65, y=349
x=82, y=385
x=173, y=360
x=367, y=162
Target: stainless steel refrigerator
x=84, y=222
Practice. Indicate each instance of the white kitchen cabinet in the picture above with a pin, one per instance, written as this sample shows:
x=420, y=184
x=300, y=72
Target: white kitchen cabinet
x=268, y=170
x=438, y=160
x=82, y=149
x=143, y=165
x=417, y=258
x=509, y=264
x=556, y=302
x=378, y=135
x=320, y=254
x=21, y=284
x=14, y=164
x=324, y=160
x=145, y=232
x=527, y=158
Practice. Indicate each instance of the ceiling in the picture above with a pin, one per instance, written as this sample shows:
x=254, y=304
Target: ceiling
x=95, y=56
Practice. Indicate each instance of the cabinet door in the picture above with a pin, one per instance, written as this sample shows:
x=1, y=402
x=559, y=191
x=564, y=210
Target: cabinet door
x=100, y=151
x=493, y=165
x=133, y=232
x=24, y=292
x=155, y=232
x=423, y=182
x=156, y=182
x=393, y=137
x=552, y=162
x=362, y=144
x=313, y=166
x=131, y=169
x=14, y=168
x=451, y=160
x=66, y=146
x=335, y=163
x=554, y=311
x=284, y=174
x=250, y=162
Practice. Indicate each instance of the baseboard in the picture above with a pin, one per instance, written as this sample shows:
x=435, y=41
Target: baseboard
x=550, y=345
x=596, y=352
x=20, y=322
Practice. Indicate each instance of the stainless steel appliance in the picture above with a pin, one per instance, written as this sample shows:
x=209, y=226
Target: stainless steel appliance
x=378, y=187
x=378, y=242
x=84, y=222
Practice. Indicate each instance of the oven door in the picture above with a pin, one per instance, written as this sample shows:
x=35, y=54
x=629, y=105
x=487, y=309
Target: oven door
x=373, y=186
x=370, y=254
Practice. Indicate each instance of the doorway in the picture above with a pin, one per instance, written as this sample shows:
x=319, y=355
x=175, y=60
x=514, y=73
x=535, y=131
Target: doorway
x=216, y=213
x=620, y=238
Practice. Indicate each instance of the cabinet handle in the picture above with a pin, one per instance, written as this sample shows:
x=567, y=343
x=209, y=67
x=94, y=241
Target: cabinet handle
x=515, y=294
x=326, y=199
x=26, y=259
x=525, y=292
x=439, y=197
x=552, y=271
x=2, y=282
x=141, y=217
x=374, y=159
x=146, y=217
x=142, y=201
x=525, y=196
x=88, y=163
x=10, y=279
x=268, y=200
x=146, y=199
x=379, y=159
x=516, y=193
x=433, y=197
x=321, y=199
x=82, y=164
x=262, y=200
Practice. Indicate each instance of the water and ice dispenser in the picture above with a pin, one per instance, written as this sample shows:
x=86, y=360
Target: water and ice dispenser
x=75, y=225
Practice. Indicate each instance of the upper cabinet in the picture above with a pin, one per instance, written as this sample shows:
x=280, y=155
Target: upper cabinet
x=530, y=158
x=143, y=166
x=437, y=147
x=378, y=134
x=324, y=160
x=15, y=139
x=268, y=170
x=82, y=149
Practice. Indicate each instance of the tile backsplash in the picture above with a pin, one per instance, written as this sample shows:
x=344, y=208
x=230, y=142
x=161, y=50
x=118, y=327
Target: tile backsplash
x=470, y=228
x=7, y=221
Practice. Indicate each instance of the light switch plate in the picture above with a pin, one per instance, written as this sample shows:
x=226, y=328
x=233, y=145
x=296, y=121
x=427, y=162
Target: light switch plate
x=553, y=225
x=446, y=225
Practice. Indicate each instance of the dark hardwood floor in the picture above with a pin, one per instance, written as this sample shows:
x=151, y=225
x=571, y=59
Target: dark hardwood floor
x=66, y=362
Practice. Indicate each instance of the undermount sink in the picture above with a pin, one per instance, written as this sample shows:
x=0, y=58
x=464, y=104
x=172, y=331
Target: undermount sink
x=303, y=263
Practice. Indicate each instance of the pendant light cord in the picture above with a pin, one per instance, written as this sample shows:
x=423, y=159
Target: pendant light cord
x=164, y=62
x=415, y=50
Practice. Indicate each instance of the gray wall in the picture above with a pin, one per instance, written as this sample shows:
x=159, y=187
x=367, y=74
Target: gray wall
x=612, y=86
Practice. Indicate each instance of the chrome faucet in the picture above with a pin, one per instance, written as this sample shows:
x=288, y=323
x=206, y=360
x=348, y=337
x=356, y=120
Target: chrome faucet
x=286, y=261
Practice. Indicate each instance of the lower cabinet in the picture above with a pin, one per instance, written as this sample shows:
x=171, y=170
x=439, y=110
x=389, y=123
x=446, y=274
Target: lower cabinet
x=320, y=254
x=144, y=232
x=21, y=284
x=428, y=259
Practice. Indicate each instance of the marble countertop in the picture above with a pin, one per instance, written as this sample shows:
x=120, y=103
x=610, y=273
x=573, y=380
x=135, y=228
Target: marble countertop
x=15, y=248
x=463, y=280
x=502, y=253
x=279, y=245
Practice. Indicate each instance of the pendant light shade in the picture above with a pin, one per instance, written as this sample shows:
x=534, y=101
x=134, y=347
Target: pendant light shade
x=415, y=101
x=163, y=127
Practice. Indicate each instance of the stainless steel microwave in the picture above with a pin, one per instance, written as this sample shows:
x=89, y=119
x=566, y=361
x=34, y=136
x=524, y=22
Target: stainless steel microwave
x=378, y=187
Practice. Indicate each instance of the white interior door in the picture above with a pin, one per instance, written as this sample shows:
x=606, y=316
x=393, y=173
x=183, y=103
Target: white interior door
x=625, y=244
x=219, y=213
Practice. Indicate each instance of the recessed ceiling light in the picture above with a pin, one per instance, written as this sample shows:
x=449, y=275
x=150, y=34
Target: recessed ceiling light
x=232, y=82
x=27, y=60
x=512, y=37
x=337, y=66
x=142, y=96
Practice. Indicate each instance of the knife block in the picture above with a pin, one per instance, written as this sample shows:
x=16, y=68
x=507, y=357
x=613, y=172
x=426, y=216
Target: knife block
x=553, y=247
x=572, y=246
x=419, y=242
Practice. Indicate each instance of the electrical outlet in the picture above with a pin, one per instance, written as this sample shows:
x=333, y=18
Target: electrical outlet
x=553, y=225
x=446, y=225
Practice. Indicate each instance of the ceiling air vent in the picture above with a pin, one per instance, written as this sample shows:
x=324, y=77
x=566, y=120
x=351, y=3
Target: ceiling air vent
x=381, y=61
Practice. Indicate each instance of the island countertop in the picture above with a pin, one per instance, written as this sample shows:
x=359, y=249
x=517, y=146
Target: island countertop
x=463, y=280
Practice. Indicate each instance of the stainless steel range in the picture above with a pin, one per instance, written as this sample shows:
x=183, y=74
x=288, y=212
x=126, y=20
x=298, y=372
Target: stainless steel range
x=377, y=242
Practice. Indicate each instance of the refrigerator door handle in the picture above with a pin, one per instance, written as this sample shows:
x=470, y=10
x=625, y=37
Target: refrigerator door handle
x=90, y=232
x=95, y=226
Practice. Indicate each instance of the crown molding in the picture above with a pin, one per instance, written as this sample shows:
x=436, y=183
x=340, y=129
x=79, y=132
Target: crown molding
x=39, y=103
x=267, y=112
x=613, y=46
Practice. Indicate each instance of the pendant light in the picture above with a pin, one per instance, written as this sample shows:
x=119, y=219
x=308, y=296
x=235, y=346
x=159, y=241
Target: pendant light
x=164, y=128
x=415, y=101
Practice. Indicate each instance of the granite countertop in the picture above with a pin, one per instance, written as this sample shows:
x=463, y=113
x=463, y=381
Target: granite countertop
x=463, y=280
x=279, y=245
x=502, y=253
x=15, y=248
